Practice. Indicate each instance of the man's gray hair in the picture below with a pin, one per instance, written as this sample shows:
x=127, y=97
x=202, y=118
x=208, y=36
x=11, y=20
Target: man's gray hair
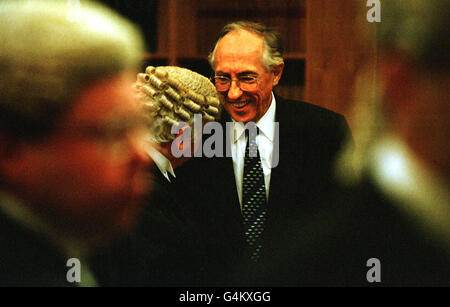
x=50, y=51
x=272, y=47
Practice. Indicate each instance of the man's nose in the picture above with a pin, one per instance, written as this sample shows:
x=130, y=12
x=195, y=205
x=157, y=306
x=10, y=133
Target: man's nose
x=234, y=92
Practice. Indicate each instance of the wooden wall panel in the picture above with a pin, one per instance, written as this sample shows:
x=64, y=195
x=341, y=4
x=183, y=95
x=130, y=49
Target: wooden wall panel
x=336, y=51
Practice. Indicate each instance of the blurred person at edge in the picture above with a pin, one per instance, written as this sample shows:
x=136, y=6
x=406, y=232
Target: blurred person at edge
x=402, y=153
x=73, y=166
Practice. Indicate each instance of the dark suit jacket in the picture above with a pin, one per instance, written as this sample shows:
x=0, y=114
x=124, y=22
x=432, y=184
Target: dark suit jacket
x=299, y=207
x=27, y=259
x=163, y=247
x=378, y=226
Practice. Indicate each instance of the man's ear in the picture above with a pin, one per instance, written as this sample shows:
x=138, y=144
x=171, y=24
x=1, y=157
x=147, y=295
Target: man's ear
x=277, y=72
x=178, y=139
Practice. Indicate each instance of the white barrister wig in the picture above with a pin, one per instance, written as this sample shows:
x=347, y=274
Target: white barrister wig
x=171, y=95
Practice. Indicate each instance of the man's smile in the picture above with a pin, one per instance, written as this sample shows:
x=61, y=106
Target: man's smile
x=239, y=104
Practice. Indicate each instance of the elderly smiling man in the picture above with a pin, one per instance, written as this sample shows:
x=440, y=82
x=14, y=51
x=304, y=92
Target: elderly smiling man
x=257, y=215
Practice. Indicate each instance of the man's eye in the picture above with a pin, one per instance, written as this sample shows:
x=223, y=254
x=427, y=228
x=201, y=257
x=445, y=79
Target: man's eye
x=247, y=79
x=222, y=79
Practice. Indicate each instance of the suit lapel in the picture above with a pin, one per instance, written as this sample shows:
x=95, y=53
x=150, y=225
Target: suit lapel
x=285, y=176
x=227, y=171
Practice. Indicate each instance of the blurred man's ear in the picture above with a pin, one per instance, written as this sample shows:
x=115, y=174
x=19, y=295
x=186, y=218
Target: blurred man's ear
x=178, y=140
x=414, y=101
x=166, y=148
x=277, y=72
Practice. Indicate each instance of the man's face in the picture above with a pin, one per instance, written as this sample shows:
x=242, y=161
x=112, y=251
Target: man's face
x=90, y=174
x=239, y=53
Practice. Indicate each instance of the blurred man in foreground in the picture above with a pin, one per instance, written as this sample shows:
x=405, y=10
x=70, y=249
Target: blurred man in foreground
x=72, y=158
x=403, y=205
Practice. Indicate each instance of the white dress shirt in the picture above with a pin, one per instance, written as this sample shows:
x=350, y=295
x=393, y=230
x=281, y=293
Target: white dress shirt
x=264, y=141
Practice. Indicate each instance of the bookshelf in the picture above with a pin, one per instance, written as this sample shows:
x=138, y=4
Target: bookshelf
x=186, y=30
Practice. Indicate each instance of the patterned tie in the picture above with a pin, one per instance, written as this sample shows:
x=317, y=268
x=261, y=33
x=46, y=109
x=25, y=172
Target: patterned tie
x=254, y=205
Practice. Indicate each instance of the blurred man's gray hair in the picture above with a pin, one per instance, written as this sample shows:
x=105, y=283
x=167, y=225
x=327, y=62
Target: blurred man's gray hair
x=50, y=51
x=417, y=28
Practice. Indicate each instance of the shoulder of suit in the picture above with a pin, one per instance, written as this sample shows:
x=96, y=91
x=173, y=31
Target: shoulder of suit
x=305, y=111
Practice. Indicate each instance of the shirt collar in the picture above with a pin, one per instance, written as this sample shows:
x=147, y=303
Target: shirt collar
x=266, y=124
x=161, y=161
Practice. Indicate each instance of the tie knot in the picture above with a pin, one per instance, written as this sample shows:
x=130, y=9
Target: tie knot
x=251, y=149
x=251, y=131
